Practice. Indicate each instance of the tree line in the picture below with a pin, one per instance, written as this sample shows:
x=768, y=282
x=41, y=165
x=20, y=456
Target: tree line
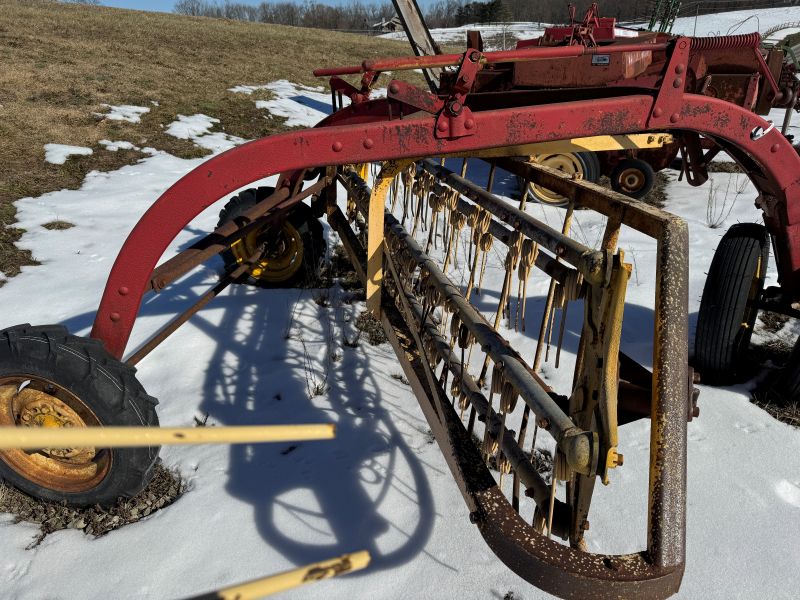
x=356, y=15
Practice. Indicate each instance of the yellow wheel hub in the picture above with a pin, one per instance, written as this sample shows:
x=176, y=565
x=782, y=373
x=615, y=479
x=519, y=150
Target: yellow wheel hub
x=30, y=402
x=569, y=164
x=282, y=256
x=631, y=180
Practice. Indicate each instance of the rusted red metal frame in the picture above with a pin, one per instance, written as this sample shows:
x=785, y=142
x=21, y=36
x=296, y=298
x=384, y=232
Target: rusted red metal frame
x=372, y=140
x=502, y=56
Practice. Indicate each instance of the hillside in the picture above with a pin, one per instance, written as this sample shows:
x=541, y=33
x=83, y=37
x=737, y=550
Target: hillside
x=62, y=62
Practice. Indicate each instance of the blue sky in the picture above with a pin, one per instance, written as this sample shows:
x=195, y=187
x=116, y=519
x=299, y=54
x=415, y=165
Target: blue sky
x=166, y=5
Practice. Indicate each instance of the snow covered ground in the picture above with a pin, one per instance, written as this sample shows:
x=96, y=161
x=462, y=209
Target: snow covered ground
x=382, y=484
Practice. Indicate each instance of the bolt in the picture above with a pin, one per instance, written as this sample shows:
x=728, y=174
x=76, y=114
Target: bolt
x=123, y=291
x=474, y=517
x=394, y=88
x=620, y=459
x=674, y=118
x=679, y=69
x=677, y=83
x=586, y=525
x=543, y=423
x=695, y=412
x=114, y=316
x=682, y=45
x=368, y=143
x=473, y=56
x=469, y=124
x=465, y=78
x=774, y=148
x=337, y=146
x=657, y=112
x=442, y=126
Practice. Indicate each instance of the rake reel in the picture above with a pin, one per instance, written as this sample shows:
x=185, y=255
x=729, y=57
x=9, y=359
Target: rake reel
x=415, y=226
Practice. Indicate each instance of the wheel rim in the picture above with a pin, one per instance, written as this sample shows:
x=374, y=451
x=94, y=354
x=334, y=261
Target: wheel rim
x=631, y=180
x=28, y=401
x=570, y=164
x=283, y=253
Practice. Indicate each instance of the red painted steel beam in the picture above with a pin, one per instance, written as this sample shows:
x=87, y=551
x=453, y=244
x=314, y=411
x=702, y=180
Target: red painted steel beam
x=405, y=63
x=413, y=138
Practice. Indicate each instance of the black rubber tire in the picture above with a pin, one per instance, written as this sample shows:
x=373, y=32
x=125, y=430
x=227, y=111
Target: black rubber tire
x=727, y=315
x=107, y=386
x=300, y=216
x=591, y=165
x=633, y=163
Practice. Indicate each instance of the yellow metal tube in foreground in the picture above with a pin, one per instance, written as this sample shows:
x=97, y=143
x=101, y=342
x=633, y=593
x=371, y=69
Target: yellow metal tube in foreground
x=34, y=438
x=377, y=206
x=291, y=579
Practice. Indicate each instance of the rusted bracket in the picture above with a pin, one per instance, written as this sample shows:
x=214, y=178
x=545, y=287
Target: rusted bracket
x=355, y=94
x=455, y=120
x=667, y=107
x=695, y=165
x=415, y=97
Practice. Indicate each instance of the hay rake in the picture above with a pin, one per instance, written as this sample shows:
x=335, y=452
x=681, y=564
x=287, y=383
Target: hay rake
x=405, y=229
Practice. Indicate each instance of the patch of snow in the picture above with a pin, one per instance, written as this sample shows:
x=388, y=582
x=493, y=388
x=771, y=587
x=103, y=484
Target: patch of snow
x=118, y=145
x=197, y=128
x=59, y=153
x=301, y=105
x=247, y=89
x=124, y=112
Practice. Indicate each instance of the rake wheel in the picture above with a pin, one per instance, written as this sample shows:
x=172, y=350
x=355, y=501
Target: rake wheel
x=51, y=379
x=580, y=165
x=293, y=249
x=633, y=177
x=729, y=305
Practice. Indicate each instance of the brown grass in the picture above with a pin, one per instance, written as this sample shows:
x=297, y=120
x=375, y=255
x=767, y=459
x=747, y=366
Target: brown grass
x=61, y=62
x=164, y=489
x=58, y=225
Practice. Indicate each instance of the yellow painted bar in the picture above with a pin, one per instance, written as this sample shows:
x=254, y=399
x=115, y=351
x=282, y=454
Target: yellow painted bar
x=377, y=207
x=291, y=579
x=597, y=143
x=34, y=438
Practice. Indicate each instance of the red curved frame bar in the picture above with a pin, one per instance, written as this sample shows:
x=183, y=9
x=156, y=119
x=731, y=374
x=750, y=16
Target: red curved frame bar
x=410, y=138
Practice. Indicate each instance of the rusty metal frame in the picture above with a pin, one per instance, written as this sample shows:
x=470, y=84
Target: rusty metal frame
x=567, y=572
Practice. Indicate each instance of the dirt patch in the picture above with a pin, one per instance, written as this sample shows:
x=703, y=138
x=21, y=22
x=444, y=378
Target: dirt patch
x=339, y=269
x=366, y=323
x=165, y=487
x=723, y=166
x=58, y=225
x=773, y=322
x=788, y=413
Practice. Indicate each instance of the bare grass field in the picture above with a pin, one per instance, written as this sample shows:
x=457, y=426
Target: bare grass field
x=62, y=62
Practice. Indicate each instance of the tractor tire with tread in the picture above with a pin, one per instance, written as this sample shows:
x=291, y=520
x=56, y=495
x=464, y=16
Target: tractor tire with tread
x=300, y=221
x=729, y=304
x=108, y=391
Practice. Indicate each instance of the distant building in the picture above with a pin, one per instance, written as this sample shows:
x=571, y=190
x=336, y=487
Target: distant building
x=389, y=25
